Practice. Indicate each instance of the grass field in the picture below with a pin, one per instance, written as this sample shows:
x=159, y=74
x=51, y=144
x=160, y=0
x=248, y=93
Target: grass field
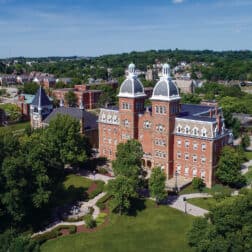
x=14, y=127
x=248, y=176
x=248, y=155
x=159, y=229
x=217, y=188
x=77, y=181
x=74, y=189
x=205, y=203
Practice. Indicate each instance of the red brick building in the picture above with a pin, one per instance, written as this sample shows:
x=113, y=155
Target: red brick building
x=182, y=139
x=89, y=98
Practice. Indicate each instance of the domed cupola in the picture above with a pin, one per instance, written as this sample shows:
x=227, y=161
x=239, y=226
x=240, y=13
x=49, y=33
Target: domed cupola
x=132, y=86
x=165, y=89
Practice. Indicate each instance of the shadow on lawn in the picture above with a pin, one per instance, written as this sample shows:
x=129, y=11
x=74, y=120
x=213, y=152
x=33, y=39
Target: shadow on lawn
x=70, y=195
x=137, y=205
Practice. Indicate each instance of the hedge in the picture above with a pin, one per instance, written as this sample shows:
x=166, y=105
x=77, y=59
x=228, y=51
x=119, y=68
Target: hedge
x=41, y=238
x=101, y=202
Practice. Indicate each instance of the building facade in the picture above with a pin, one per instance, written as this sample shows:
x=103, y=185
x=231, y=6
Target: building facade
x=89, y=98
x=42, y=112
x=184, y=140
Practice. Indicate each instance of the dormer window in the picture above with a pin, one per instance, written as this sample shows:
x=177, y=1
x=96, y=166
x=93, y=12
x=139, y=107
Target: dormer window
x=195, y=131
x=187, y=129
x=109, y=118
x=204, y=132
x=115, y=119
x=103, y=117
x=179, y=129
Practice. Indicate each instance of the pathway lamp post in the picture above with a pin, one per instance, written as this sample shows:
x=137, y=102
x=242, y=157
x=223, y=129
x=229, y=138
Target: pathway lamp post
x=185, y=201
x=176, y=181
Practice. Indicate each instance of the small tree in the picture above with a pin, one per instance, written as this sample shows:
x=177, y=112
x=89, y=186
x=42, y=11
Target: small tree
x=157, y=184
x=245, y=142
x=71, y=99
x=89, y=221
x=122, y=190
x=229, y=166
x=198, y=184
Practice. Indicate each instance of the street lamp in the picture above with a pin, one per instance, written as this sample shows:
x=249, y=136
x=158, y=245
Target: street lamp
x=176, y=181
x=184, y=199
x=94, y=174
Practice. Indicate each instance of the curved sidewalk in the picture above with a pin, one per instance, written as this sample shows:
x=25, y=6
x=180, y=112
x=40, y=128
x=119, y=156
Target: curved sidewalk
x=90, y=203
x=178, y=203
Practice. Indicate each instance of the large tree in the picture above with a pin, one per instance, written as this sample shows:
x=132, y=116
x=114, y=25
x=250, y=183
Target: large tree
x=64, y=139
x=122, y=190
x=128, y=159
x=157, y=184
x=229, y=168
x=228, y=227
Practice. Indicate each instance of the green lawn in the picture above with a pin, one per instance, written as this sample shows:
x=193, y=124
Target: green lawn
x=248, y=175
x=151, y=229
x=248, y=155
x=77, y=181
x=74, y=189
x=205, y=203
x=14, y=127
x=217, y=188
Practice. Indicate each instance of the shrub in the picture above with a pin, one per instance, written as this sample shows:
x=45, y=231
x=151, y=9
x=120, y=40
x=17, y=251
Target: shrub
x=80, y=218
x=47, y=236
x=89, y=221
x=101, y=203
x=102, y=170
x=72, y=229
x=101, y=218
x=98, y=190
x=244, y=191
x=198, y=184
x=54, y=233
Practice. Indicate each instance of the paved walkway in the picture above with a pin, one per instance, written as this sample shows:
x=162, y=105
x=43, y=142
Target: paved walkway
x=84, y=206
x=245, y=167
x=97, y=176
x=178, y=203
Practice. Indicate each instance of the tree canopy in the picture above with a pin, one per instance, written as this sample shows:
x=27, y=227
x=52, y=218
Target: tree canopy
x=228, y=227
x=229, y=168
x=157, y=184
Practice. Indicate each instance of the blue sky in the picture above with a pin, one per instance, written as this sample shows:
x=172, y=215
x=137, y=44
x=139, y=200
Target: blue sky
x=90, y=28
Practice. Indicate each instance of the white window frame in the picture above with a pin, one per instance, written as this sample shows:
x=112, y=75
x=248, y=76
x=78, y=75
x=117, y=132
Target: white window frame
x=195, y=146
x=203, y=148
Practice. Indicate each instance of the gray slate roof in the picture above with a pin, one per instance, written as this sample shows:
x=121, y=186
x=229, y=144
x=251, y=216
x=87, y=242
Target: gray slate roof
x=90, y=120
x=41, y=99
x=192, y=112
x=132, y=86
x=162, y=89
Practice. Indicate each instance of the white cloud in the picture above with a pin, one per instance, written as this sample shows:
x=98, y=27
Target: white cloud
x=178, y=1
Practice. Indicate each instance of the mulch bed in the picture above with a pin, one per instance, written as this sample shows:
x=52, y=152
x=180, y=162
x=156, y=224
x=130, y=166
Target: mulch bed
x=84, y=229
x=64, y=232
x=92, y=187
